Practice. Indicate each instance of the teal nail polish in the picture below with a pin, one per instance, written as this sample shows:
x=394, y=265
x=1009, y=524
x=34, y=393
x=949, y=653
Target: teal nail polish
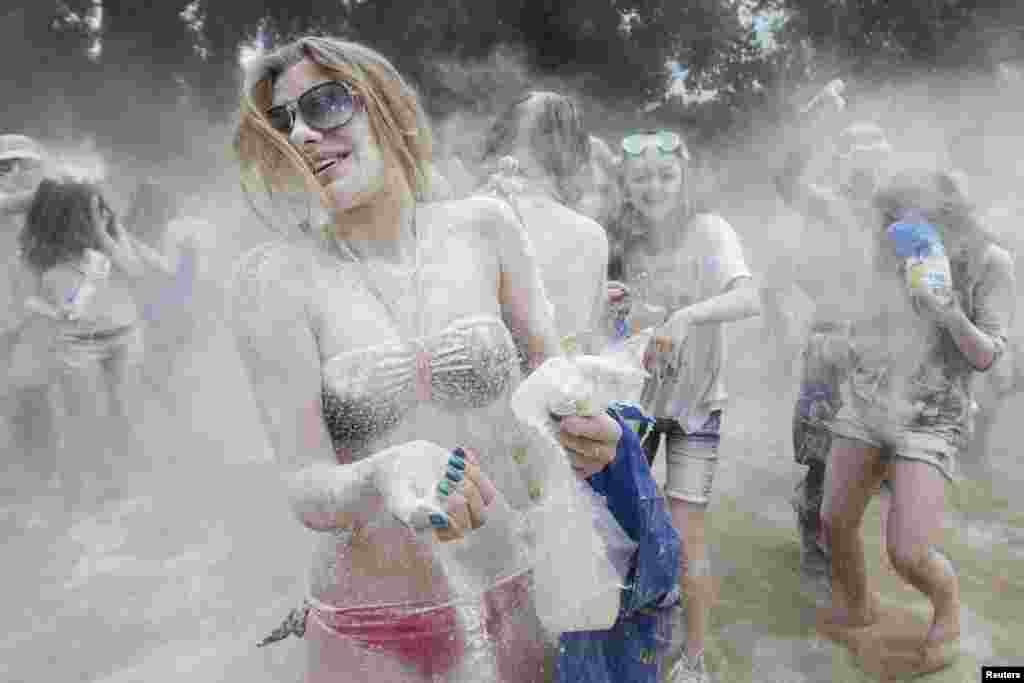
x=457, y=462
x=443, y=488
x=453, y=475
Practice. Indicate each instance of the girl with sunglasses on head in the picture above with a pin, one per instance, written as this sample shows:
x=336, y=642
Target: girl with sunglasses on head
x=696, y=271
x=375, y=342
x=545, y=151
x=86, y=269
x=938, y=312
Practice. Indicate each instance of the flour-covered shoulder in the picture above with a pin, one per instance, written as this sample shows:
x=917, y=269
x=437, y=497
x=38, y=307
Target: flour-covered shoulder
x=271, y=285
x=528, y=311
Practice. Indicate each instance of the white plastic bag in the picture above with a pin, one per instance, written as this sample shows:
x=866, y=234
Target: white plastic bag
x=582, y=554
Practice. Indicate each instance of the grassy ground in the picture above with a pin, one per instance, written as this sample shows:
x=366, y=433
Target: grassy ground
x=763, y=626
x=762, y=586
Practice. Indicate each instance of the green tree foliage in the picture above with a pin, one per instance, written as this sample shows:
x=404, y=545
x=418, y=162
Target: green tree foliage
x=39, y=48
x=876, y=39
x=164, y=62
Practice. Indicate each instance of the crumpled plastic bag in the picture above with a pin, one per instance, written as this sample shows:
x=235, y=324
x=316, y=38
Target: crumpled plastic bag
x=619, y=547
x=582, y=554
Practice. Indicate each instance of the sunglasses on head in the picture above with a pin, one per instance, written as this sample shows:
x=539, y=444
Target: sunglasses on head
x=665, y=141
x=323, y=107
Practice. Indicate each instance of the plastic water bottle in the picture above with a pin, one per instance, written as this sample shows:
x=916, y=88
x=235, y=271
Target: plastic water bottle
x=95, y=268
x=926, y=265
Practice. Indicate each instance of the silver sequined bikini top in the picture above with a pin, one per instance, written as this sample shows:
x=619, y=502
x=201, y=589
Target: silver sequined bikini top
x=367, y=392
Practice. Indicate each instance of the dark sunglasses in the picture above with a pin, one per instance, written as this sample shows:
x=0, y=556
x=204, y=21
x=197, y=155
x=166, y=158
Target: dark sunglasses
x=18, y=165
x=666, y=141
x=323, y=107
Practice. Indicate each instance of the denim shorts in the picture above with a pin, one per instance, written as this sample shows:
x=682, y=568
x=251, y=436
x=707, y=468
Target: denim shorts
x=691, y=457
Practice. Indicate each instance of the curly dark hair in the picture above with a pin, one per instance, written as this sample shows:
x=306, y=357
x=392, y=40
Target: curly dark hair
x=59, y=224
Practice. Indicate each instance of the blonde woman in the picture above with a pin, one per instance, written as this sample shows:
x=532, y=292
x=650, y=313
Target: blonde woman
x=381, y=350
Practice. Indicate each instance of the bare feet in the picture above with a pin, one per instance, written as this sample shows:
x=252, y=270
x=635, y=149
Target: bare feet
x=942, y=643
x=854, y=617
x=946, y=620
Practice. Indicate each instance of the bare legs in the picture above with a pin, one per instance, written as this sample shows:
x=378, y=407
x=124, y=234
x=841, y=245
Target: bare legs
x=915, y=518
x=913, y=523
x=689, y=520
x=98, y=410
x=122, y=381
x=81, y=434
x=853, y=474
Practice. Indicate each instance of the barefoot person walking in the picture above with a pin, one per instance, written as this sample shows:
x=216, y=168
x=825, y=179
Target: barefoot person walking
x=907, y=407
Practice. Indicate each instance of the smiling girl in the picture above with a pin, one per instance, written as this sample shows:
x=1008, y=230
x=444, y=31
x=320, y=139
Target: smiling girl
x=375, y=343
x=694, y=266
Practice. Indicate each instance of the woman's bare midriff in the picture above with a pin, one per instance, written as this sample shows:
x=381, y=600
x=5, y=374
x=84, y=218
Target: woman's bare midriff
x=375, y=563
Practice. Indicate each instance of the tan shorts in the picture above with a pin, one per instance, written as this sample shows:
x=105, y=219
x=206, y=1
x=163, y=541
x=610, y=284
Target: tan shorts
x=76, y=351
x=868, y=421
x=691, y=457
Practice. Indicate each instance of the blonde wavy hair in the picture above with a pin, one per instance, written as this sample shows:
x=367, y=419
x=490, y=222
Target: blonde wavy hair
x=396, y=116
x=630, y=218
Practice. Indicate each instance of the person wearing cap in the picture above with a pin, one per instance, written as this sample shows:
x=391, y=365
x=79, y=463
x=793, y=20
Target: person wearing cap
x=29, y=411
x=831, y=268
x=21, y=169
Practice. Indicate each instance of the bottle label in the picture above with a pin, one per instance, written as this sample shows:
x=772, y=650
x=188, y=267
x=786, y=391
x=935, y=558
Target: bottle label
x=930, y=274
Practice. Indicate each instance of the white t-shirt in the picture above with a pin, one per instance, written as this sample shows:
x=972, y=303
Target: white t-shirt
x=88, y=295
x=707, y=262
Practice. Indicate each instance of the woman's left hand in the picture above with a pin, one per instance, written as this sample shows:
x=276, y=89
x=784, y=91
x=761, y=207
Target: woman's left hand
x=590, y=441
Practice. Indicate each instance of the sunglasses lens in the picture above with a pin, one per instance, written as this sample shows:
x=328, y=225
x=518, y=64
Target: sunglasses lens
x=7, y=165
x=669, y=142
x=327, y=106
x=280, y=119
x=666, y=142
x=634, y=144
